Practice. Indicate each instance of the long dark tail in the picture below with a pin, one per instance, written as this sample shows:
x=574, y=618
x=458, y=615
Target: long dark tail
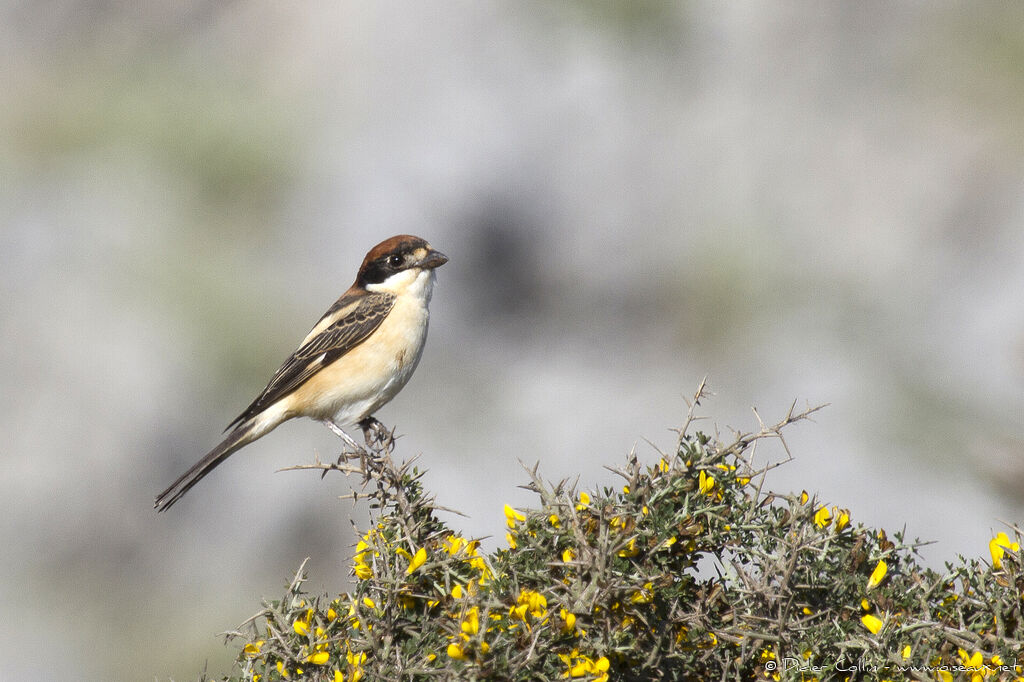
x=242, y=435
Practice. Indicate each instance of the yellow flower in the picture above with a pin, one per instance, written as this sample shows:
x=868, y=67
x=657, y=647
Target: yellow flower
x=581, y=666
x=455, y=651
x=584, y=501
x=338, y=677
x=569, y=619
x=529, y=603
x=625, y=489
x=457, y=592
x=872, y=623
x=511, y=516
x=252, y=649
x=822, y=518
x=510, y=538
x=646, y=512
x=555, y=521
x=630, y=550
x=878, y=575
x=455, y=543
x=301, y=625
x=803, y=497
x=842, y=518
x=707, y=483
x=417, y=561
x=471, y=623
x=363, y=572
x=998, y=546
x=663, y=465
x=568, y=554
x=318, y=658
x=906, y=652
x=643, y=596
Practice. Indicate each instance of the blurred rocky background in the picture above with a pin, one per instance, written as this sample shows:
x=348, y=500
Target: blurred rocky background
x=814, y=202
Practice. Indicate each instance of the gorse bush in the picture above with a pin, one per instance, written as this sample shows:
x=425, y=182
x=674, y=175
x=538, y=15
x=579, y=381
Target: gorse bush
x=690, y=570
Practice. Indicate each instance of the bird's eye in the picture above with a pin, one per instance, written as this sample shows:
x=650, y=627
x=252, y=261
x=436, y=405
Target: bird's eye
x=394, y=260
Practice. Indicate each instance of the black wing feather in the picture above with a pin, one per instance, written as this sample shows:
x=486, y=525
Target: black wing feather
x=324, y=348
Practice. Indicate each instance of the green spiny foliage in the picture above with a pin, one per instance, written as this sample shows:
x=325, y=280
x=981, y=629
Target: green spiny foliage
x=690, y=571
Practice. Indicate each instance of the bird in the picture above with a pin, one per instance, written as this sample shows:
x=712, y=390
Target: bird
x=353, y=361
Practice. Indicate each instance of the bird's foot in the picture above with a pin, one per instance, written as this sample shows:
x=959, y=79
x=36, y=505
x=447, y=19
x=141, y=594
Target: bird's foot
x=376, y=434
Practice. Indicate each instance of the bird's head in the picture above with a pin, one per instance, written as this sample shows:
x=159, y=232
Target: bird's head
x=398, y=263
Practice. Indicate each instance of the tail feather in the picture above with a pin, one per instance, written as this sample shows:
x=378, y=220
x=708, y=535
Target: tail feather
x=242, y=435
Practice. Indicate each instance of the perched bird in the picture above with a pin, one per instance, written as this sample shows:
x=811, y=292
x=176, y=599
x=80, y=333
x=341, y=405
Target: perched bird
x=356, y=358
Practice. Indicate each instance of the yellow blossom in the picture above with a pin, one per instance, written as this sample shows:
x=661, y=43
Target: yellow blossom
x=584, y=501
x=252, y=649
x=318, y=658
x=630, y=550
x=417, y=561
x=568, y=554
x=512, y=516
x=301, y=625
x=822, y=518
x=369, y=603
x=455, y=543
x=803, y=497
x=663, y=465
x=872, y=623
x=338, y=677
x=906, y=652
x=510, y=538
x=878, y=575
x=455, y=651
x=842, y=518
x=581, y=666
x=706, y=482
x=457, y=592
x=569, y=619
x=555, y=521
x=471, y=623
x=625, y=489
x=529, y=603
x=644, y=595
x=998, y=546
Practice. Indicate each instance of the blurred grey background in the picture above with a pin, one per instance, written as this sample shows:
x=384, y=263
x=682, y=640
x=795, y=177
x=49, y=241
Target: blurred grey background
x=820, y=202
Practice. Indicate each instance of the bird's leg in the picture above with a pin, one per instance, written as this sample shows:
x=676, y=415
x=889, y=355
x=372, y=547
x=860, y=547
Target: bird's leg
x=356, y=448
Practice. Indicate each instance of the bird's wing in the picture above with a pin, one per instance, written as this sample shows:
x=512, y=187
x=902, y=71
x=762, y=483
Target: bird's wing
x=347, y=324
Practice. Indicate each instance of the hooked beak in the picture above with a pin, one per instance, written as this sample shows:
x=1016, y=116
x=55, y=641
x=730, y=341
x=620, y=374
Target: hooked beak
x=433, y=259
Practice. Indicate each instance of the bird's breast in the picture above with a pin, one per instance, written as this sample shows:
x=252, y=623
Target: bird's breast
x=371, y=374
